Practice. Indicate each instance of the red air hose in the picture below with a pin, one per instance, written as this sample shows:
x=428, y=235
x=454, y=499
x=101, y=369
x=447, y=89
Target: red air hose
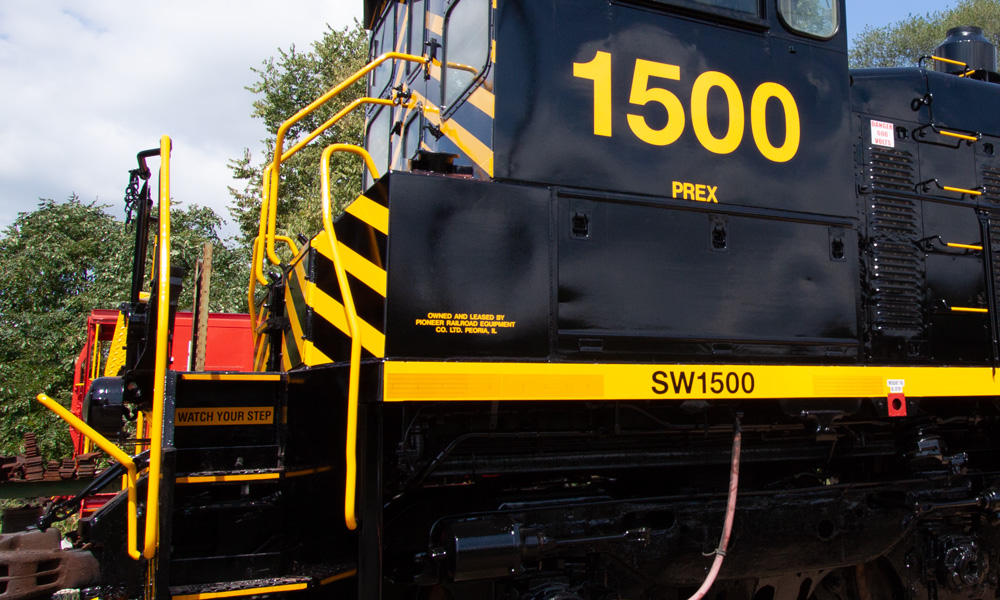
x=720, y=552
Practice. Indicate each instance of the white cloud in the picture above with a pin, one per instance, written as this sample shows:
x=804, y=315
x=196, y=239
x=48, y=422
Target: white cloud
x=84, y=86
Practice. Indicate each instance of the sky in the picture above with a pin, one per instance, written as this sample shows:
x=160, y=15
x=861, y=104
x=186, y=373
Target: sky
x=86, y=85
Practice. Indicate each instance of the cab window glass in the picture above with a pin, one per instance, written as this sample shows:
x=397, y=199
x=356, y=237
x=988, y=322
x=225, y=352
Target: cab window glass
x=411, y=137
x=467, y=43
x=378, y=143
x=416, y=43
x=382, y=42
x=812, y=17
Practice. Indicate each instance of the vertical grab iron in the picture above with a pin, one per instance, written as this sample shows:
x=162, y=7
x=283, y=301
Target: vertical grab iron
x=160, y=372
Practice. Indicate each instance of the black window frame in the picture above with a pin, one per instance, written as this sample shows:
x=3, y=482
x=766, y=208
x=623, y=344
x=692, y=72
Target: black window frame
x=449, y=108
x=838, y=18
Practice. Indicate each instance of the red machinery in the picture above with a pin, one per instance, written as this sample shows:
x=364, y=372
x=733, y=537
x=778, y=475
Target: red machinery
x=229, y=347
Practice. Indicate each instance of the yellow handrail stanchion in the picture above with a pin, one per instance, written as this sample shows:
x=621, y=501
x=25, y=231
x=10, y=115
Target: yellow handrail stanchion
x=351, y=446
x=160, y=369
x=117, y=454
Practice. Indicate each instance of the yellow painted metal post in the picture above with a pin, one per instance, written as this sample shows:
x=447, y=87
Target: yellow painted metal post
x=160, y=369
x=354, y=377
x=117, y=454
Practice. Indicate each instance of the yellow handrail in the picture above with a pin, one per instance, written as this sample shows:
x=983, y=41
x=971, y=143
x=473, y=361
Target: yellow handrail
x=959, y=190
x=271, y=193
x=117, y=454
x=269, y=210
x=351, y=445
x=160, y=368
x=961, y=136
x=272, y=213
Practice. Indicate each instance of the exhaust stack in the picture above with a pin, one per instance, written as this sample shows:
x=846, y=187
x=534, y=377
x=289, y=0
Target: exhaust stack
x=968, y=45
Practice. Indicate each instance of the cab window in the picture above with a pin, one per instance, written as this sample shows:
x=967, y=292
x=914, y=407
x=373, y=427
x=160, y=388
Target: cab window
x=382, y=42
x=416, y=41
x=466, y=46
x=817, y=18
x=378, y=143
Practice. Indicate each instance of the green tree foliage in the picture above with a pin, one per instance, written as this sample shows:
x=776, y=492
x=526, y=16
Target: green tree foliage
x=56, y=263
x=286, y=84
x=904, y=42
x=190, y=229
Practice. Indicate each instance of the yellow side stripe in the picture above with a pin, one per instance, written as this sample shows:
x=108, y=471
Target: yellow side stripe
x=964, y=246
x=228, y=377
x=247, y=592
x=370, y=212
x=339, y=576
x=968, y=310
x=467, y=381
x=228, y=478
x=308, y=471
x=251, y=476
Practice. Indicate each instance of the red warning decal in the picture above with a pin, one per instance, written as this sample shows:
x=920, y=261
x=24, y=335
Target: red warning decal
x=897, y=399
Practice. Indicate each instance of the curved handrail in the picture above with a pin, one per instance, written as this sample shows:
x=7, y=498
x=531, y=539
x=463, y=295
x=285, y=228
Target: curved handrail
x=271, y=225
x=116, y=453
x=279, y=156
x=269, y=210
x=351, y=444
x=258, y=243
x=160, y=368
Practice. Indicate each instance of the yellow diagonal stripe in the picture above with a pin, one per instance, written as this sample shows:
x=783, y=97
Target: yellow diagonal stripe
x=435, y=23
x=358, y=265
x=483, y=100
x=363, y=269
x=370, y=212
x=480, y=97
x=480, y=153
x=372, y=339
x=312, y=356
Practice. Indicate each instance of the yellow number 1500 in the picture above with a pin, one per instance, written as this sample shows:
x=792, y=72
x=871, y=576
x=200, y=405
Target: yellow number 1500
x=599, y=71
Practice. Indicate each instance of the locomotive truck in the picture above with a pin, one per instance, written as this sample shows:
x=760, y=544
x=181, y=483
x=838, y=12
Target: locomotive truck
x=643, y=299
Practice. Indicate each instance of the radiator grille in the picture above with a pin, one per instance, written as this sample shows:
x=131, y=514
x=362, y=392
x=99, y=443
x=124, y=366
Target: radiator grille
x=995, y=248
x=991, y=183
x=896, y=274
x=891, y=169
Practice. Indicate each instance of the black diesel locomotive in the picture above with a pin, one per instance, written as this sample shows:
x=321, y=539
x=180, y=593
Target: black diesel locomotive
x=639, y=289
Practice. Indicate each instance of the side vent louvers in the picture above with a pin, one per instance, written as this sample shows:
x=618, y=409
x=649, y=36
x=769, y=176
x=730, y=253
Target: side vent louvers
x=892, y=169
x=896, y=270
x=991, y=184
